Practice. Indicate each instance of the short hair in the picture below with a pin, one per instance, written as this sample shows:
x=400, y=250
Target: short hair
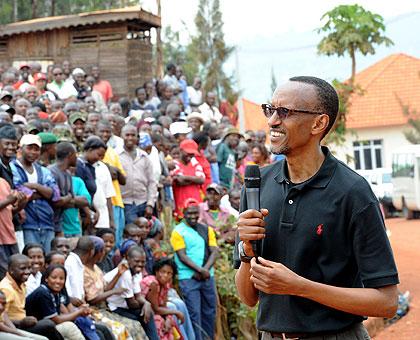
x=93, y=142
x=84, y=245
x=170, y=66
x=50, y=269
x=134, y=250
x=53, y=244
x=103, y=231
x=164, y=261
x=8, y=131
x=64, y=149
x=14, y=258
x=130, y=226
x=51, y=254
x=200, y=137
x=327, y=97
x=105, y=123
x=29, y=246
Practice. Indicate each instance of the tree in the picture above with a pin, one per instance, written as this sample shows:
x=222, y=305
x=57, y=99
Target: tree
x=351, y=29
x=412, y=134
x=273, y=81
x=212, y=51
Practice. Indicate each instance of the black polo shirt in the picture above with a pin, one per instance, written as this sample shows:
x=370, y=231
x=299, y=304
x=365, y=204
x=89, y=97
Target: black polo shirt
x=328, y=229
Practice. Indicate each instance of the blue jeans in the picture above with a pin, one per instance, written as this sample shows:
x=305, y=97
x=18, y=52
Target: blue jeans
x=132, y=212
x=119, y=220
x=41, y=236
x=186, y=328
x=200, y=298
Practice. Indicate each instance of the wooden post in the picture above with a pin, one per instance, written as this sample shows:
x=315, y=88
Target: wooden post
x=159, y=51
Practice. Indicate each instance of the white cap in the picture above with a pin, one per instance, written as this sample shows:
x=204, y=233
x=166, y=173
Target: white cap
x=179, y=127
x=78, y=70
x=30, y=139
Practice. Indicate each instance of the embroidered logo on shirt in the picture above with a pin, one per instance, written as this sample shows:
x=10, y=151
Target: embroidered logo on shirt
x=319, y=229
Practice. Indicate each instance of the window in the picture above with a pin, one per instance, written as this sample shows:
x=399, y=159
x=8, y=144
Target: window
x=403, y=165
x=368, y=154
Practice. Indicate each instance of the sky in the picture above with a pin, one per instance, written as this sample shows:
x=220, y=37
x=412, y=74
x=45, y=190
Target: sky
x=277, y=37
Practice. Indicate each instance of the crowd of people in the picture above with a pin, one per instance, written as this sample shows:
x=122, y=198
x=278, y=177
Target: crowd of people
x=92, y=190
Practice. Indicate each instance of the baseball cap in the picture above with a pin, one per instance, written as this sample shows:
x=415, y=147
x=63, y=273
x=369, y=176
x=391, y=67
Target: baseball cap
x=189, y=146
x=63, y=133
x=216, y=187
x=77, y=116
x=19, y=119
x=78, y=70
x=48, y=138
x=179, y=128
x=30, y=139
x=8, y=109
x=39, y=76
x=24, y=65
x=5, y=94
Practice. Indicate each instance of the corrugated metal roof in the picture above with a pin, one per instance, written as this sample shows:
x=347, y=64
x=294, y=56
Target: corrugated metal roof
x=81, y=19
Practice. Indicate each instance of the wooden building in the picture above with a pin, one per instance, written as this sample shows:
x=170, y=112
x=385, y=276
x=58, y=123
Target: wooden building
x=118, y=41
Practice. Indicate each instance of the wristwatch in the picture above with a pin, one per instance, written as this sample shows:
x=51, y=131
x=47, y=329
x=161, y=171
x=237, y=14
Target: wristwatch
x=242, y=256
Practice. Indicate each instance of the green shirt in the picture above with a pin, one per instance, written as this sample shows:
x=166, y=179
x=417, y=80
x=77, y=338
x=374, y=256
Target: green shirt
x=71, y=220
x=227, y=164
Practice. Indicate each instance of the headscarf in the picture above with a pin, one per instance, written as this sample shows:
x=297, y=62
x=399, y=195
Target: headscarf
x=98, y=243
x=126, y=245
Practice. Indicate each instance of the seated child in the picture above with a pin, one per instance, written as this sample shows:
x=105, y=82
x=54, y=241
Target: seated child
x=36, y=255
x=49, y=301
x=155, y=289
x=131, y=304
x=107, y=235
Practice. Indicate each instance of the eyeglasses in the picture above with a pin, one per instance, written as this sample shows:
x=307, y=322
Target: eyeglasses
x=283, y=112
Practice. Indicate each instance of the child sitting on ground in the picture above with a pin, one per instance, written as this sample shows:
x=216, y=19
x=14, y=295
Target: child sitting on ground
x=36, y=255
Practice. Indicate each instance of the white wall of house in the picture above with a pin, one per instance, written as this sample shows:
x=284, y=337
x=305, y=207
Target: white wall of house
x=392, y=138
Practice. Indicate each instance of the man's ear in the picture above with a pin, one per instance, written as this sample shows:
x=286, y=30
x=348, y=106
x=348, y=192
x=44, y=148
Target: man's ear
x=320, y=124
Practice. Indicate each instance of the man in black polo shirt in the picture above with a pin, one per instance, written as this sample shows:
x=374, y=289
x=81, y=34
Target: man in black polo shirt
x=326, y=261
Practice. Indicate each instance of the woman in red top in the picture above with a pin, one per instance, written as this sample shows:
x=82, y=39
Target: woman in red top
x=203, y=140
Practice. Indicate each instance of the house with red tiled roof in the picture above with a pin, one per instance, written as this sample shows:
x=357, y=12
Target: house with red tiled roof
x=376, y=119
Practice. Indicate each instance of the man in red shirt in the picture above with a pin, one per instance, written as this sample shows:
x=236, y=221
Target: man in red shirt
x=188, y=175
x=102, y=86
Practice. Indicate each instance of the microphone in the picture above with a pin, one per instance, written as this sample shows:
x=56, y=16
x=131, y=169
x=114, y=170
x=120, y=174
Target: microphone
x=252, y=191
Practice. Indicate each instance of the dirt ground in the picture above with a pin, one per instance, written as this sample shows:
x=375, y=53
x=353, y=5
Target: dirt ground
x=405, y=241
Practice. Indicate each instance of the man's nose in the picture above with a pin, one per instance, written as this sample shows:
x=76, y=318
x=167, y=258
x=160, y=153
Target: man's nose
x=274, y=120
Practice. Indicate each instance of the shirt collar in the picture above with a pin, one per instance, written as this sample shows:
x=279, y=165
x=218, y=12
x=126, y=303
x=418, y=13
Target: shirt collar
x=14, y=283
x=320, y=179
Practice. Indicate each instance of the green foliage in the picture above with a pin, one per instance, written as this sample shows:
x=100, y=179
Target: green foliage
x=211, y=50
x=412, y=134
x=351, y=29
x=175, y=52
x=273, y=84
x=225, y=279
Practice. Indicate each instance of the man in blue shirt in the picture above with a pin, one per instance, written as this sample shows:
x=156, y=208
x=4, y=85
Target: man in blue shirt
x=196, y=251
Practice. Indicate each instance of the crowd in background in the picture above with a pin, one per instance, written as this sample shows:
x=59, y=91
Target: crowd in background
x=106, y=203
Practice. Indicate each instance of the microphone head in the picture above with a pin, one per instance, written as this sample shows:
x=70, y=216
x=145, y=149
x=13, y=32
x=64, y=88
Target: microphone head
x=252, y=176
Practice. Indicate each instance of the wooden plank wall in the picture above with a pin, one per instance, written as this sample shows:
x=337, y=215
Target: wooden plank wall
x=139, y=63
x=39, y=46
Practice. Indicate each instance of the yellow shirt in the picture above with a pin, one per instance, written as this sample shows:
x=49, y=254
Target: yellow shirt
x=15, y=298
x=111, y=158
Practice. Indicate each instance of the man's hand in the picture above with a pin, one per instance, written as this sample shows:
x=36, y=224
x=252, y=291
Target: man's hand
x=180, y=316
x=33, y=186
x=28, y=321
x=251, y=228
x=204, y=273
x=274, y=278
x=148, y=212
x=122, y=267
x=147, y=312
